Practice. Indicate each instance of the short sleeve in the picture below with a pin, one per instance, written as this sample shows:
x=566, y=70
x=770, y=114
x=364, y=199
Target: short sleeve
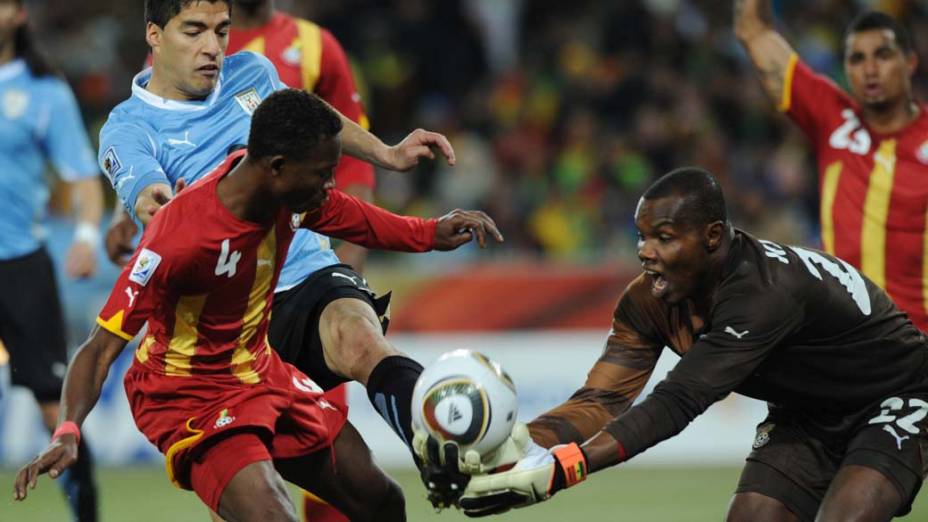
x=128, y=158
x=811, y=100
x=65, y=139
x=267, y=70
x=141, y=286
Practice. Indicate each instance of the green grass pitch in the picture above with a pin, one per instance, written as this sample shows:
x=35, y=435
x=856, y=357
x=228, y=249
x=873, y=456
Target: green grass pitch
x=632, y=494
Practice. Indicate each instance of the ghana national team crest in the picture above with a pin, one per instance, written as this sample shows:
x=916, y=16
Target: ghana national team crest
x=248, y=100
x=224, y=419
x=763, y=436
x=296, y=220
x=14, y=103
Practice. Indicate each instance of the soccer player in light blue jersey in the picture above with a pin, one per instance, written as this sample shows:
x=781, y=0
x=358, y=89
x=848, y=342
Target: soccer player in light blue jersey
x=40, y=123
x=185, y=114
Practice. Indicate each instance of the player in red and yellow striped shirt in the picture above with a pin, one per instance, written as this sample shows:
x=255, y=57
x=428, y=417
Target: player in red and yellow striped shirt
x=205, y=386
x=309, y=57
x=871, y=146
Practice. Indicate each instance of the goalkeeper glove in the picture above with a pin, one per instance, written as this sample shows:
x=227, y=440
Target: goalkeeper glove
x=438, y=469
x=535, y=478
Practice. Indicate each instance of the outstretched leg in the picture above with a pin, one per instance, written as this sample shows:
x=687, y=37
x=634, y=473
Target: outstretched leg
x=354, y=347
x=346, y=476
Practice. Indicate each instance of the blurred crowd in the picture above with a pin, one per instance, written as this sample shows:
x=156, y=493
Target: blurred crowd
x=561, y=113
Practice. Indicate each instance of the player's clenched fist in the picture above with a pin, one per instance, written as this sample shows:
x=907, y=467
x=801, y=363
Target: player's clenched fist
x=461, y=226
x=58, y=456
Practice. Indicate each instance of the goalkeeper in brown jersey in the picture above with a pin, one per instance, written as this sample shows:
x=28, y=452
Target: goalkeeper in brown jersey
x=844, y=371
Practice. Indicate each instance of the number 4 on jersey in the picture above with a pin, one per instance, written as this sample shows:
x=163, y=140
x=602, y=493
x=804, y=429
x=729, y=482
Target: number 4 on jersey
x=227, y=262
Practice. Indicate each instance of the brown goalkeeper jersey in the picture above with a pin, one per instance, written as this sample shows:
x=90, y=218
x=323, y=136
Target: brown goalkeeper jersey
x=792, y=326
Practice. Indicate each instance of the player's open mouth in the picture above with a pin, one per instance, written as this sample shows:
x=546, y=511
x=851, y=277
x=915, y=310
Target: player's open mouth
x=658, y=282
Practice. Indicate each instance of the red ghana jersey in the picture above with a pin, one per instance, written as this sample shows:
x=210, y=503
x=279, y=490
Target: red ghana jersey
x=874, y=187
x=204, y=279
x=308, y=57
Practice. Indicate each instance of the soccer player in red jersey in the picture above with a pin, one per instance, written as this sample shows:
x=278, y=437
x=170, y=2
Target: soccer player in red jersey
x=871, y=146
x=205, y=387
x=308, y=57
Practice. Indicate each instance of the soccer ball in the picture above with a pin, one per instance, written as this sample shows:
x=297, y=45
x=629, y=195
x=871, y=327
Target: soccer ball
x=466, y=398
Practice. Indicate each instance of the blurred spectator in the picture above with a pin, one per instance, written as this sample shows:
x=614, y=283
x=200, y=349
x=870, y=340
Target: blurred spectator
x=560, y=111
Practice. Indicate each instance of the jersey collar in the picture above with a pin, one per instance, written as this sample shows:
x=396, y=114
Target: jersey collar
x=138, y=90
x=12, y=69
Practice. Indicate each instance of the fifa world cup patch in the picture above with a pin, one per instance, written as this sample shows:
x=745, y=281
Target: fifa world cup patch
x=110, y=163
x=15, y=103
x=144, y=266
x=249, y=100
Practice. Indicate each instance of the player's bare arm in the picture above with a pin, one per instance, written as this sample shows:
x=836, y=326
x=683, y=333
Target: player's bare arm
x=768, y=50
x=153, y=197
x=88, y=202
x=401, y=157
x=82, y=385
x=118, y=240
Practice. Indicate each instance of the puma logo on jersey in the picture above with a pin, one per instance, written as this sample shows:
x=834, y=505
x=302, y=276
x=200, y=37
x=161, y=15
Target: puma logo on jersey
x=739, y=335
x=186, y=141
x=306, y=385
x=132, y=295
x=892, y=431
x=354, y=280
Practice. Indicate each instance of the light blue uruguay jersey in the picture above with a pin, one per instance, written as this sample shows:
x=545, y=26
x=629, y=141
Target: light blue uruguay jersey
x=148, y=139
x=39, y=123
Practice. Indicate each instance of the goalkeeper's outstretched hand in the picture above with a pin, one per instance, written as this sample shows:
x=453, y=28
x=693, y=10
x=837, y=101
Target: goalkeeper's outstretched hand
x=445, y=472
x=439, y=470
x=535, y=478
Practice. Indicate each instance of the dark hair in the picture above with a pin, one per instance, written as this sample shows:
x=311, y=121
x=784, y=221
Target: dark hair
x=869, y=20
x=702, y=195
x=290, y=122
x=24, y=47
x=160, y=12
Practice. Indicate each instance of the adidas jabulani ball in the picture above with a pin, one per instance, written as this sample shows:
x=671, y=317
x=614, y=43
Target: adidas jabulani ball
x=466, y=398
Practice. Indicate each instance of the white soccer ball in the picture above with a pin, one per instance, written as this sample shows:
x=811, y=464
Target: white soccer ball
x=466, y=398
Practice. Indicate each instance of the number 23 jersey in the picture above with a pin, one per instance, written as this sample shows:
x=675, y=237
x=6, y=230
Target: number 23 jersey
x=874, y=198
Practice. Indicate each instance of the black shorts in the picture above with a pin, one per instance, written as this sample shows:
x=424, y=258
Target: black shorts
x=795, y=465
x=32, y=325
x=294, y=328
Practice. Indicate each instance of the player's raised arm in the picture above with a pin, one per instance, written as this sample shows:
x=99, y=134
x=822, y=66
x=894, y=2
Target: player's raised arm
x=82, y=386
x=768, y=50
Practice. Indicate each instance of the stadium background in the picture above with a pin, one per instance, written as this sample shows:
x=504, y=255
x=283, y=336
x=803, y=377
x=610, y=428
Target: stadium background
x=561, y=113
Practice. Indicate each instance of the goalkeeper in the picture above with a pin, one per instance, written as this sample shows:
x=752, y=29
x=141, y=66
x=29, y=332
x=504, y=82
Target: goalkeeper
x=844, y=372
